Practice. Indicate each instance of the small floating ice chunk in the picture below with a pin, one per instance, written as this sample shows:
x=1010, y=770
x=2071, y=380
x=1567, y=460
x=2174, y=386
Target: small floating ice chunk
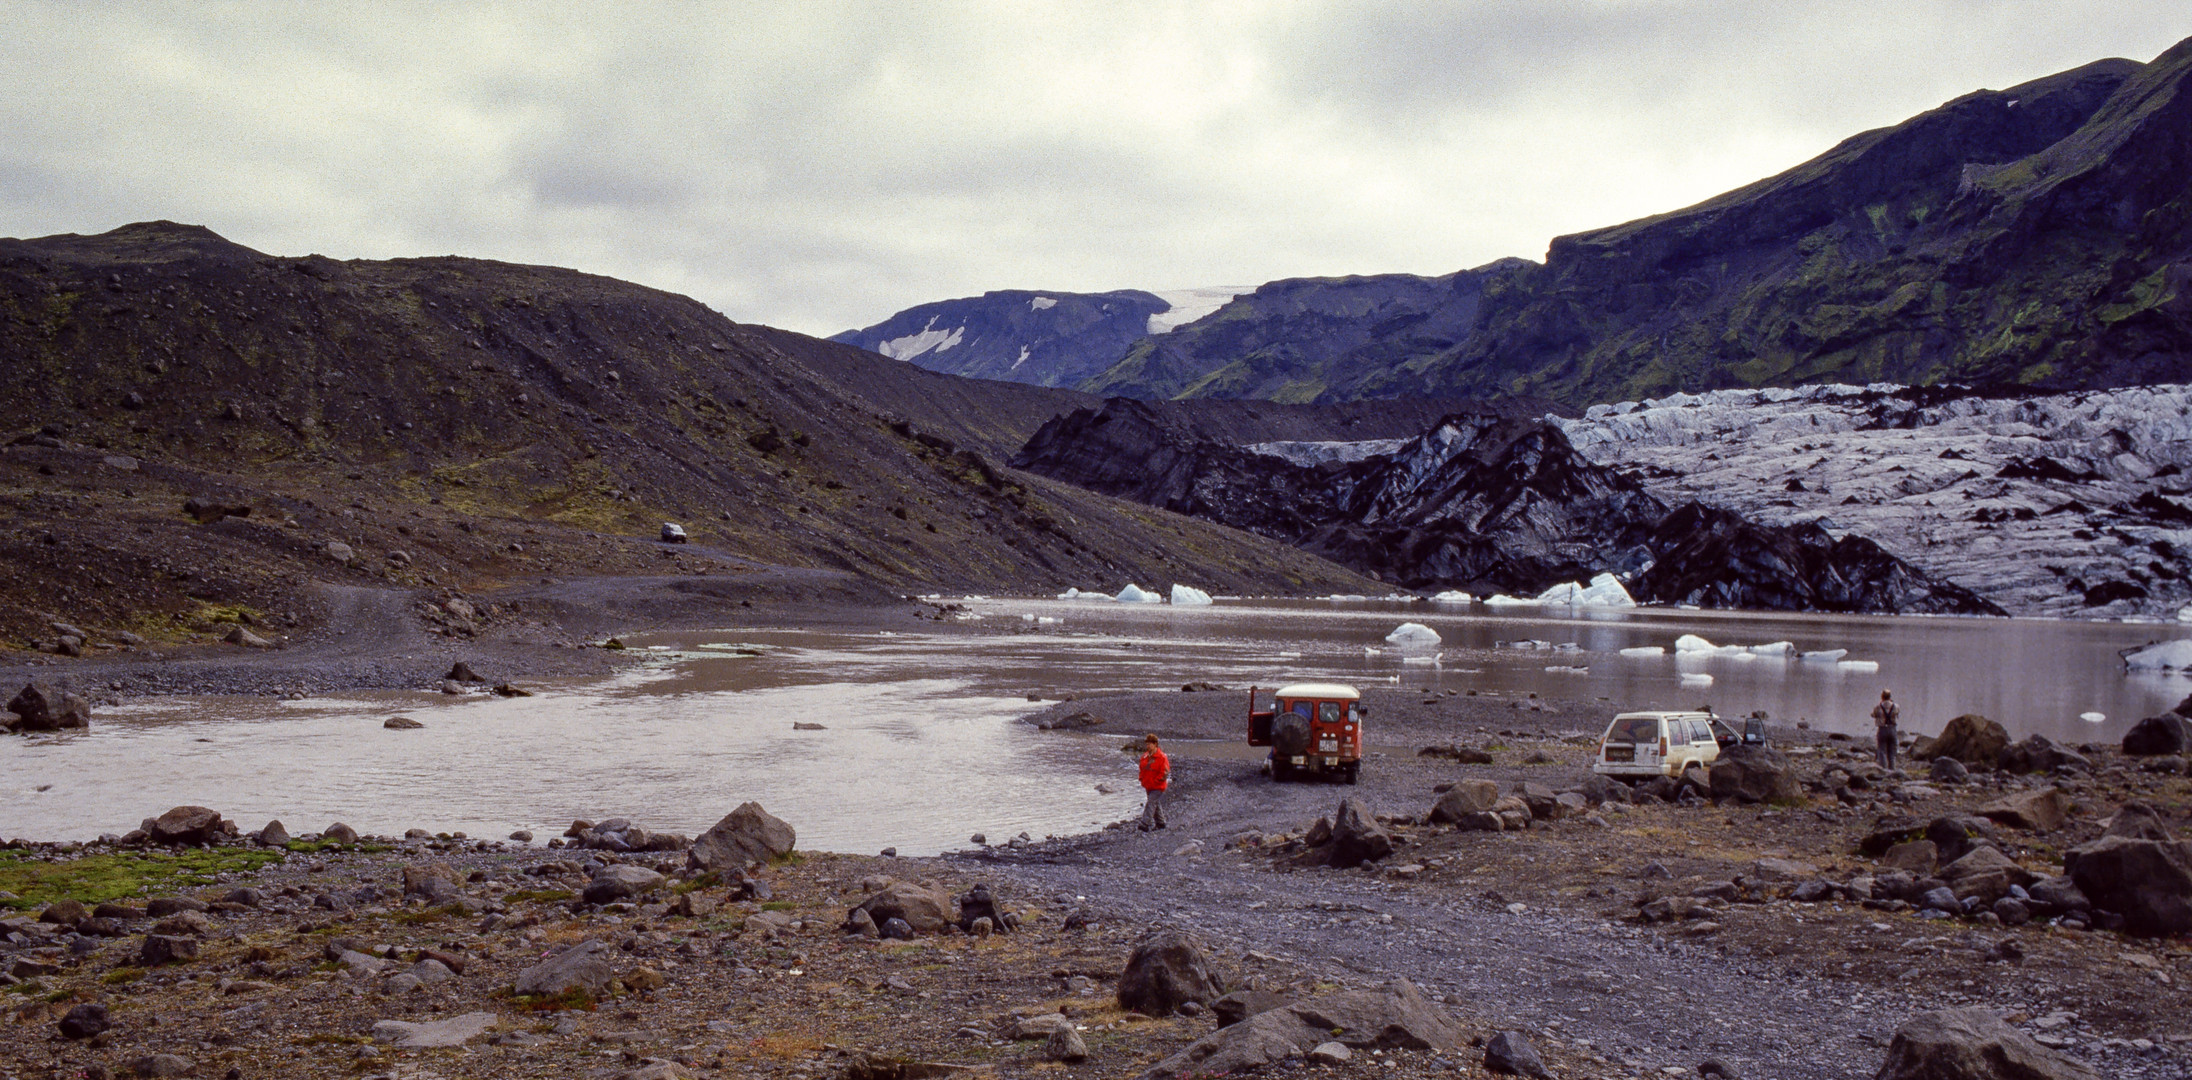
x=1564, y=669
x=2092, y=717
x=1135, y=594
x=1857, y=665
x=1692, y=644
x=1644, y=650
x=1430, y=661
x=1824, y=656
x=1504, y=600
x=1346, y=597
x=1783, y=649
x=1076, y=594
x=1414, y=634
x=2162, y=656
x=1696, y=678
x=1456, y=596
x=1188, y=595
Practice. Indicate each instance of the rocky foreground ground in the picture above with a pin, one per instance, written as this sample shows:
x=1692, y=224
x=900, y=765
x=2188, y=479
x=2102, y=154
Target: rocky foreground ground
x=1789, y=938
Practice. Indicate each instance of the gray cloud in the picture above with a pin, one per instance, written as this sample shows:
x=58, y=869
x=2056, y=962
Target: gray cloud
x=821, y=165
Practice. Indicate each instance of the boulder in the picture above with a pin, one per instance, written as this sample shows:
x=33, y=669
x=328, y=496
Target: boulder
x=2157, y=736
x=1510, y=1052
x=2139, y=821
x=1888, y=832
x=1357, y=837
x=1167, y=968
x=401, y=723
x=1065, y=1044
x=1466, y=797
x=583, y=967
x=1915, y=856
x=437, y=882
x=1752, y=774
x=1956, y=834
x=194, y=825
x=621, y=882
x=462, y=672
x=1948, y=770
x=274, y=835
x=922, y=908
x=1972, y=1044
x=1039, y=1026
x=1394, y=1016
x=167, y=949
x=1987, y=874
x=162, y=1065
x=1242, y=1004
x=2040, y=754
x=1972, y=739
x=2059, y=895
x=454, y=1031
x=2041, y=810
x=85, y=1021
x=2148, y=882
x=340, y=833
x=745, y=836
x=39, y=708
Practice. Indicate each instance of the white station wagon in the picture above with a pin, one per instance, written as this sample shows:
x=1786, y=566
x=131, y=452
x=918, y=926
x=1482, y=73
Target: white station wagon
x=1641, y=745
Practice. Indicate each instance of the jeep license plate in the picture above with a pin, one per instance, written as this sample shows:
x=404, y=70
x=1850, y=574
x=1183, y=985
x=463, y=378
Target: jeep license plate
x=1621, y=753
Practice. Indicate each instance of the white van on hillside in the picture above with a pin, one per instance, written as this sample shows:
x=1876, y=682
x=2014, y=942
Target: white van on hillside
x=1641, y=745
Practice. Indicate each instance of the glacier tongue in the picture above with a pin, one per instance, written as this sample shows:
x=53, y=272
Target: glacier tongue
x=2067, y=504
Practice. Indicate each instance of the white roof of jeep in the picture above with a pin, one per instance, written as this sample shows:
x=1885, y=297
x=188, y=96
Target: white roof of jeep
x=1320, y=691
x=1670, y=714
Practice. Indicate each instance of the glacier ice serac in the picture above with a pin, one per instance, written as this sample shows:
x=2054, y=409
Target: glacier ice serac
x=1188, y=595
x=1414, y=635
x=2162, y=656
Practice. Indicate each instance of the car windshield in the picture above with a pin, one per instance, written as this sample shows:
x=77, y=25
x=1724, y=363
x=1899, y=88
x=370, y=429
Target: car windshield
x=1634, y=729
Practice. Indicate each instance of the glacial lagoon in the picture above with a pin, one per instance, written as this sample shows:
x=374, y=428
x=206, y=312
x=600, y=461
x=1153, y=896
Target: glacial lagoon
x=920, y=748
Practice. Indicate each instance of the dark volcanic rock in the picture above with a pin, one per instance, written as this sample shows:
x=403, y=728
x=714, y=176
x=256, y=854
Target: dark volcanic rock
x=2148, y=882
x=2156, y=736
x=1972, y=739
x=1394, y=1016
x=1166, y=969
x=186, y=825
x=1972, y=1044
x=1752, y=774
x=745, y=836
x=1357, y=837
x=39, y=708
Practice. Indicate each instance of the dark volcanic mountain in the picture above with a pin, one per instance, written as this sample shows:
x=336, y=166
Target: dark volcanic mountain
x=1480, y=501
x=2037, y=236
x=459, y=423
x=1044, y=339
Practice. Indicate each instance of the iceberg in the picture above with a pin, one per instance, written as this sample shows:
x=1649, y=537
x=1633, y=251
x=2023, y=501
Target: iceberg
x=1431, y=660
x=1782, y=649
x=1188, y=595
x=1644, y=650
x=2161, y=656
x=2092, y=717
x=1412, y=634
x=1504, y=600
x=1135, y=594
x=1456, y=596
x=1823, y=656
x=1857, y=665
x=1076, y=594
x=1694, y=645
x=1562, y=669
x=1696, y=678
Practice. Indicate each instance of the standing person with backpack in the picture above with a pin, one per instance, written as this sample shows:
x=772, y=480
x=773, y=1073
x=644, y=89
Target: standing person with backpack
x=1883, y=729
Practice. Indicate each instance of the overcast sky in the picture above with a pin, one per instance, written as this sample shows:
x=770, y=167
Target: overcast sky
x=818, y=165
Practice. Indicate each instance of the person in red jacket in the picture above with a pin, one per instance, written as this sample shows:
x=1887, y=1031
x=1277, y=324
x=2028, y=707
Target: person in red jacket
x=1156, y=774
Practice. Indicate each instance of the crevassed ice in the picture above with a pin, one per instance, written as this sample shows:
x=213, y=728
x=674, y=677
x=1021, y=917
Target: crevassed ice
x=1319, y=453
x=1188, y=595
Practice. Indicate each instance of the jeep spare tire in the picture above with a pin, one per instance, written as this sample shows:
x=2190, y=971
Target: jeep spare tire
x=1289, y=735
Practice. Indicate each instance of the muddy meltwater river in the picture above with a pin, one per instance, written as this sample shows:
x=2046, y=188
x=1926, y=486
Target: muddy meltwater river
x=921, y=749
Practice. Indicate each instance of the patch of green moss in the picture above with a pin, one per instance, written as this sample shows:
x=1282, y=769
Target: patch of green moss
x=537, y=896
x=97, y=879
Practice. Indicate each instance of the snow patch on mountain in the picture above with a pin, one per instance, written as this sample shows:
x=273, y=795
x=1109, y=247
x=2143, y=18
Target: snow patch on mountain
x=1189, y=305
x=1039, y=303
x=912, y=345
x=2068, y=504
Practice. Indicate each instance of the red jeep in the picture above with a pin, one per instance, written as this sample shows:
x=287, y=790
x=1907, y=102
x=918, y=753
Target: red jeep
x=1313, y=729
